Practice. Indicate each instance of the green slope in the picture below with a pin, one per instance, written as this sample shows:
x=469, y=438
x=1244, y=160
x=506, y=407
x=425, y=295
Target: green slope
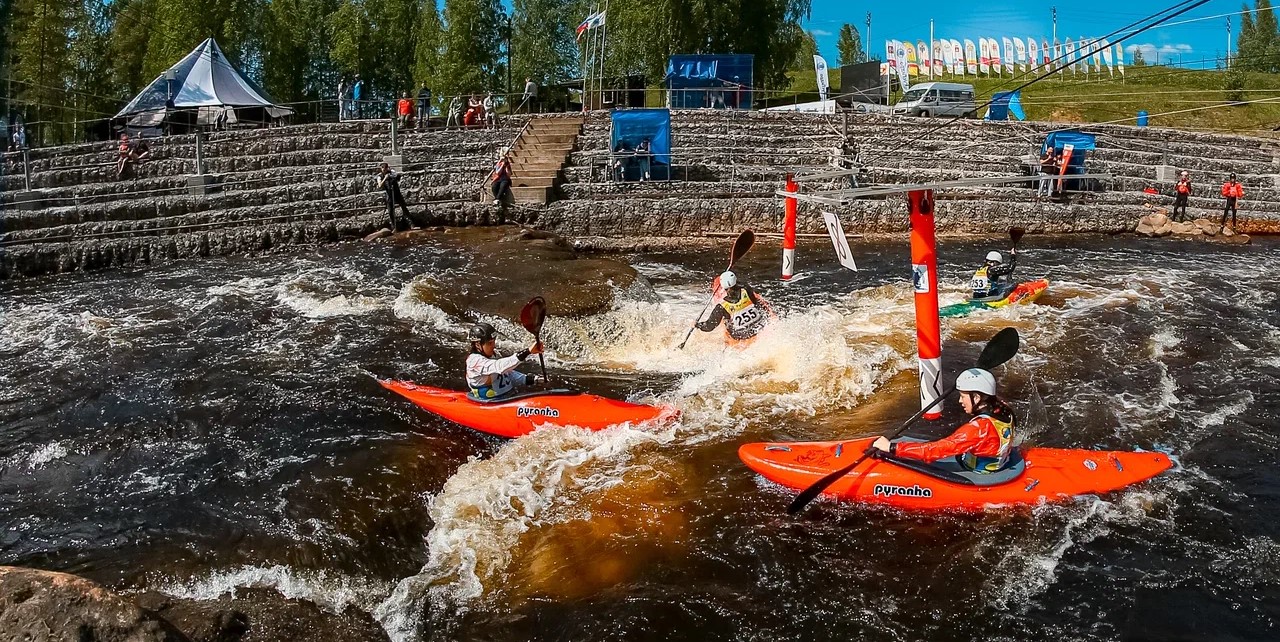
x=1158, y=90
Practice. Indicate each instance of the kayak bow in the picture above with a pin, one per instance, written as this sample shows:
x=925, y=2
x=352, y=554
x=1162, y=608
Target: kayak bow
x=1025, y=292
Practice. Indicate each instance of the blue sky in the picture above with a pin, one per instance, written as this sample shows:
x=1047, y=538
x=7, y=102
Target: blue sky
x=1187, y=42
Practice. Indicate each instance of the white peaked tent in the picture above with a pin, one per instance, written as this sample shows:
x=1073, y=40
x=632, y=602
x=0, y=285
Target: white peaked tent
x=206, y=90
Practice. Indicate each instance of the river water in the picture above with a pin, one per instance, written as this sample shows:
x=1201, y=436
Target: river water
x=198, y=427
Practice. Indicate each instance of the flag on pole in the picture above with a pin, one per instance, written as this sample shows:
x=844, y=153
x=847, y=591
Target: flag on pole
x=1045, y=51
x=586, y=24
x=1106, y=58
x=1120, y=59
x=971, y=57
x=995, y=56
x=1021, y=50
x=948, y=57
x=1096, y=45
x=957, y=55
x=938, y=59
x=1071, y=61
x=820, y=70
x=984, y=56
x=1033, y=54
x=1008, y=55
x=904, y=69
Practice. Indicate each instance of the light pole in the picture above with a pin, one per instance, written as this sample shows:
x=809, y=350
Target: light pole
x=508, y=25
x=867, y=45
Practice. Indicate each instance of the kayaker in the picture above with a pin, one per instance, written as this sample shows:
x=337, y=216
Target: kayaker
x=995, y=277
x=983, y=444
x=489, y=376
x=743, y=312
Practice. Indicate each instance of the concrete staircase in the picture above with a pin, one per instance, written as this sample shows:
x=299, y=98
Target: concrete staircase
x=539, y=155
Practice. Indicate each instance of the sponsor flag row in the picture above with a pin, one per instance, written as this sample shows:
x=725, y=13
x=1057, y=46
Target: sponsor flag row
x=991, y=56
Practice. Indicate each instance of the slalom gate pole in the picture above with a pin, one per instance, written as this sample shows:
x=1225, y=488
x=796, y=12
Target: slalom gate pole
x=789, y=232
x=924, y=279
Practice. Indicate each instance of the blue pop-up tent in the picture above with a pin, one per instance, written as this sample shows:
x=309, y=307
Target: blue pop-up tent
x=1005, y=104
x=1080, y=142
x=710, y=80
x=631, y=126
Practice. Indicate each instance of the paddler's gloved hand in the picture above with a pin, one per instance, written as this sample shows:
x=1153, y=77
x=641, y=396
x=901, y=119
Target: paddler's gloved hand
x=534, y=349
x=530, y=380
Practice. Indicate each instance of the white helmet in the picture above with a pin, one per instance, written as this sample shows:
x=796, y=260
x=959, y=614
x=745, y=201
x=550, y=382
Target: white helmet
x=976, y=380
x=995, y=256
x=728, y=279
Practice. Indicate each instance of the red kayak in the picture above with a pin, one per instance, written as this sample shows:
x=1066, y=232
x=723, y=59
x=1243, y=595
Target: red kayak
x=520, y=414
x=1037, y=475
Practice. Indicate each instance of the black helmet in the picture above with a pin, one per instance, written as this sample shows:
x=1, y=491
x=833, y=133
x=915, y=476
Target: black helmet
x=481, y=332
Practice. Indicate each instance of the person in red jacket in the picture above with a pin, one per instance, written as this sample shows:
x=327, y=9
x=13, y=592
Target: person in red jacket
x=983, y=444
x=1181, y=192
x=1232, y=190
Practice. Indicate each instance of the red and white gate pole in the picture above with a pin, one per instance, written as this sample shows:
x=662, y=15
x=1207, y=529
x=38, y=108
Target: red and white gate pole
x=924, y=278
x=789, y=232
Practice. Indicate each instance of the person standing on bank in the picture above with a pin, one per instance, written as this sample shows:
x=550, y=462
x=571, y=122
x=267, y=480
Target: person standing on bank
x=1048, y=167
x=1232, y=190
x=1181, y=192
x=530, y=90
x=424, y=107
x=389, y=181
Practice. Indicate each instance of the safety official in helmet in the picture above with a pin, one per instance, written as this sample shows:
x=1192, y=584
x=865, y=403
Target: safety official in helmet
x=983, y=444
x=742, y=311
x=995, y=278
x=488, y=375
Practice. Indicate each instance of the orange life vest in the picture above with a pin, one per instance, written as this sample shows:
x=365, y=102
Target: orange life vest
x=1233, y=189
x=1184, y=187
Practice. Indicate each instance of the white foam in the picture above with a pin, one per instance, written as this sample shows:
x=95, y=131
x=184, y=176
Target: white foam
x=333, y=592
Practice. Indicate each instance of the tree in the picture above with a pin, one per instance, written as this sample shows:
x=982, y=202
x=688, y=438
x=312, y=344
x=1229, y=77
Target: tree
x=1139, y=60
x=42, y=67
x=177, y=26
x=1258, y=46
x=426, y=52
x=542, y=39
x=805, y=49
x=849, y=44
x=472, y=44
x=1233, y=82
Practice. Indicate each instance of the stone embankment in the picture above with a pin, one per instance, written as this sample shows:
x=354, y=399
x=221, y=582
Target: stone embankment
x=314, y=184
x=1159, y=224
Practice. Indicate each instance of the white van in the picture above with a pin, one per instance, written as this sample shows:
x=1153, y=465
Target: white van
x=930, y=99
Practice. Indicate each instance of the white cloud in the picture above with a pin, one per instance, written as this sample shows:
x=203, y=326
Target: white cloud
x=822, y=33
x=1150, y=51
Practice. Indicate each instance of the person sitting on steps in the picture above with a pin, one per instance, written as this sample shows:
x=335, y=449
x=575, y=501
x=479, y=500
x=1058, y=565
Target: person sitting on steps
x=995, y=277
x=489, y=376
x=984, y=444
x=501, y=178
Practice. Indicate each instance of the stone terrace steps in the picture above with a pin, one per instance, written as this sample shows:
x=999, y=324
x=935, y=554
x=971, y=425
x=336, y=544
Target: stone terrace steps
x=538, y=156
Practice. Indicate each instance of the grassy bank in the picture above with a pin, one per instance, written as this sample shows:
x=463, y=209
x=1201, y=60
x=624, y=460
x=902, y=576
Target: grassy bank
x=1158, y=90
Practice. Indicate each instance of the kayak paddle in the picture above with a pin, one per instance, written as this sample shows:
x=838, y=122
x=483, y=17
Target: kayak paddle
x=740, y=246
x=1015, y=235
x=531, y=317
x=998, y=350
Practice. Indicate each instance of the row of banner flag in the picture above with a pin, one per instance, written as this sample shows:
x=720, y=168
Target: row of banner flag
x=953, y=57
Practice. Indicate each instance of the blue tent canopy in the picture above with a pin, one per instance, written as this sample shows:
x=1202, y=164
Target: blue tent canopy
x=631, y=126
x=1005, y=104
x=1080, y=142
x=710, y=80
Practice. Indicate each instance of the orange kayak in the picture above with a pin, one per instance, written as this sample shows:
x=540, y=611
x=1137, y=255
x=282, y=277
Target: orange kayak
x=1025, y=292
x=520, y=414
x=1037, y=475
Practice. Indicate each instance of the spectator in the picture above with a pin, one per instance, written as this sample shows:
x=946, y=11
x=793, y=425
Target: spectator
x=424, y=107
x=342, y=99
x=357, y=94
x=1048, y=167
x=19, y=138
x=490, y=118
x=644, y=156
x=474, y=111
x=389, y=181
x=737, y=92
x=131, y=152
x=530, y=90
x=1181, y=192
x=1232, y=190
x=455, y=113
x=405, y=109
x=501, y=178
x=619, y=159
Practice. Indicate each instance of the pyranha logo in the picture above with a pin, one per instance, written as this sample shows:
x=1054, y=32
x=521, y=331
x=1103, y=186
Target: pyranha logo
x=906, y=491
x=537, y=412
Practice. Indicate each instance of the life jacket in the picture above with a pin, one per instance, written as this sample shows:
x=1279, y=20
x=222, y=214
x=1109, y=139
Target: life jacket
x=1184, y=187
x=980, y=283
x=746, y=319
x=1005, y=431
x=1230, y=189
